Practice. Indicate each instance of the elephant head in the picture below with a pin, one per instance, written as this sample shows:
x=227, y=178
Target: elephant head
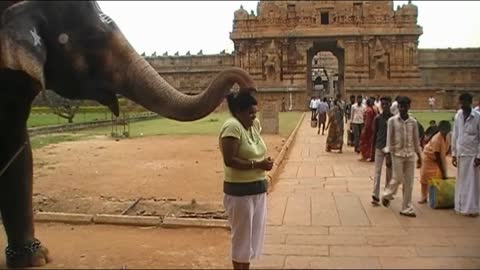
x=75, y=49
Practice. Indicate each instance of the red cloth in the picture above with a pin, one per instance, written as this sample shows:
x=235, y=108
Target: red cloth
x=366, y=138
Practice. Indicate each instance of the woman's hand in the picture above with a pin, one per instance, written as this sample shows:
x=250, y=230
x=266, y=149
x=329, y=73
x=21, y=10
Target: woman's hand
x=454, y=161
x=266, y=164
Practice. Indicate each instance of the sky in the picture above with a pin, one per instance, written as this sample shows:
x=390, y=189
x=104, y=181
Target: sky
x=159, y=26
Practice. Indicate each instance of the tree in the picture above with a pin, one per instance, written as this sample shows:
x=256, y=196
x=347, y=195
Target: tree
x=63, y=107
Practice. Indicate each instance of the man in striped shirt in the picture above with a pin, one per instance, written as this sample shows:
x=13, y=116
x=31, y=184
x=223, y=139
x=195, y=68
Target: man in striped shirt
x=403, y=144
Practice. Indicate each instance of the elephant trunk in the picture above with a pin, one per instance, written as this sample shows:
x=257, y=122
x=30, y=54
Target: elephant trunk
x=142, y=84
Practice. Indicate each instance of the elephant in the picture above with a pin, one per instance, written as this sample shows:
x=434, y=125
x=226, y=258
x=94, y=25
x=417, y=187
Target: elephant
x=76, y=50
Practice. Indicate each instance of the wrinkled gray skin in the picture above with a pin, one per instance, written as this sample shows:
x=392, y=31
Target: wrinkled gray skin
x=69, y=48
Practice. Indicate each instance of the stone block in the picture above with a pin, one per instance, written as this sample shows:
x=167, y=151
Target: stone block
x=325, y=240
x=310, y=262
x=269, y=118
x=170, y=222
x=269, y=262
x=369, y=251
x=426, y=263
x=296, y=250
x=64, y=217
x=448, y=252
x=127, y=220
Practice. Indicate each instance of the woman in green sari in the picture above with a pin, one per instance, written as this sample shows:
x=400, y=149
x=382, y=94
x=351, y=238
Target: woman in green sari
x=335, y=128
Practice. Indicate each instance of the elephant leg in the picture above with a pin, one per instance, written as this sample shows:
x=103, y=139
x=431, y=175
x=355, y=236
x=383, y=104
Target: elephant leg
x=23, y=249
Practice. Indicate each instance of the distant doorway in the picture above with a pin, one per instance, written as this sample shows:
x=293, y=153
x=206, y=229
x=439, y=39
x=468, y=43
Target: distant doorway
x=324, y=74
x=325, y=69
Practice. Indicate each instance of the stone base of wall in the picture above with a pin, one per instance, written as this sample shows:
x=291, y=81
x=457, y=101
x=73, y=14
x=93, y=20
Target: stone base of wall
x=445, y=99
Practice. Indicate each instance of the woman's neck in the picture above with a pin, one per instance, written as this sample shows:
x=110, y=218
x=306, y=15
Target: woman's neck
x=241, y=122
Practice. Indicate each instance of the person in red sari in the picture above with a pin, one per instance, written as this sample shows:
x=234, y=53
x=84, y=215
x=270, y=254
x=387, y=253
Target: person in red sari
x=366, y=138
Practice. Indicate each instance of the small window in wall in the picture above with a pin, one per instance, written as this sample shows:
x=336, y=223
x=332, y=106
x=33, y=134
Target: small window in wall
x=324, y=18
x=291, y=10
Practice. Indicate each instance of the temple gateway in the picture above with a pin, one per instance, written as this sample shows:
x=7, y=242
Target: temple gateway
x=298, y=49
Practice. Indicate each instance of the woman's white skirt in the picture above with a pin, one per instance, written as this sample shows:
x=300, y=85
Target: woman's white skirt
x=247, y=218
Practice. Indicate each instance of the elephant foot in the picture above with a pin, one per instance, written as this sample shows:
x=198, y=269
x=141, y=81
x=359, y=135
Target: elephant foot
x=30, y=255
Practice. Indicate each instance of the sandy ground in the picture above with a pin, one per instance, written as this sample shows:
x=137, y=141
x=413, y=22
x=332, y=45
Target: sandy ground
x=105, y=176
x=120, y=247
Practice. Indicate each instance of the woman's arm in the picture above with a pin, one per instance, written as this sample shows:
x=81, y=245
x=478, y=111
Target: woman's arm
x=441, y=166
x=230, y=148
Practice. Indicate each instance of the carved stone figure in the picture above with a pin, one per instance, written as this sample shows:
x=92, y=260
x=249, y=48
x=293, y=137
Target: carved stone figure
x=271, y=63
x=380, y=61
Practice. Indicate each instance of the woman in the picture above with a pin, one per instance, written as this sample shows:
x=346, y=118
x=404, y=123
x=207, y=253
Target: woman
x=366, y=137
x=335, y=128
x=434, y=154
x=245, y=183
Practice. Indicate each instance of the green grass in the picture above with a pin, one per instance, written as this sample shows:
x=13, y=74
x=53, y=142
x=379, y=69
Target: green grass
x=48, y=119
x=425, y=117
x=209, y=125
x=44, y=140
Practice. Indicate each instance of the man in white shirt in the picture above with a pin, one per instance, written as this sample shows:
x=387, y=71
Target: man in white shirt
x=356, y=121
x=322, y=110
x=313, y=107
x=466, y=157
x=394, y=107
x=431, y=103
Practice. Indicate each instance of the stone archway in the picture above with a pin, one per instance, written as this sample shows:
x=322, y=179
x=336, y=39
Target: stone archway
x=326, y=45
x=375, y=46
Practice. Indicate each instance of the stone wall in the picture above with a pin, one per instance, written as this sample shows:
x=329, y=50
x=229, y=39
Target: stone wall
x=452, y=71
x=191, y=74
x=445, y=73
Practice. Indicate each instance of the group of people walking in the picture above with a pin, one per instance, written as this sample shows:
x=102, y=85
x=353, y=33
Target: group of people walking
x=404, y=145
x=382, y=131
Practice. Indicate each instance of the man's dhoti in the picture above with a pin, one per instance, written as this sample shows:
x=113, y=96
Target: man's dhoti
x=467, y=186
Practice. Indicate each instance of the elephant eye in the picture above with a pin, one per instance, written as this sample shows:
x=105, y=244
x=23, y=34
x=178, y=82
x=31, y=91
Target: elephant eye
x=95, y=40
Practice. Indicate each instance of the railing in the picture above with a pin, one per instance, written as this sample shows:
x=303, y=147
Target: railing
x=87, y=125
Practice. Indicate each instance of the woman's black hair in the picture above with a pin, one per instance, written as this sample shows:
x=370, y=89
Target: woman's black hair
x=386, y=98
x=444, y=124
x=241, y=101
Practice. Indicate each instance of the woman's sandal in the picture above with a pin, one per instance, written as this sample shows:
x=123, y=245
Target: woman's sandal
x=423, y=201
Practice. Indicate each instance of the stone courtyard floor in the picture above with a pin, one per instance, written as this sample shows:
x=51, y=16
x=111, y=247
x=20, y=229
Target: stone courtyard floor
x=320, y=216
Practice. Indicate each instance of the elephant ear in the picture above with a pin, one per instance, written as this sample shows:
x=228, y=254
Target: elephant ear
x=22, y=47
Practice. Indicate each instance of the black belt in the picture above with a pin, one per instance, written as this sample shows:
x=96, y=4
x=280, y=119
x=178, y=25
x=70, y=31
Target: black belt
x=245, y=189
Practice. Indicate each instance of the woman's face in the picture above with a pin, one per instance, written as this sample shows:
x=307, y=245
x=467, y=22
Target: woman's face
x=248, y=116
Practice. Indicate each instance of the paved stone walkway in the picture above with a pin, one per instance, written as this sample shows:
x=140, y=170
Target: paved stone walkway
x=320, y=216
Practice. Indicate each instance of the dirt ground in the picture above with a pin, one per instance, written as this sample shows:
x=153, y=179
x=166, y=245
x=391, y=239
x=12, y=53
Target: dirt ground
x=122, y=247
x=103, y=175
